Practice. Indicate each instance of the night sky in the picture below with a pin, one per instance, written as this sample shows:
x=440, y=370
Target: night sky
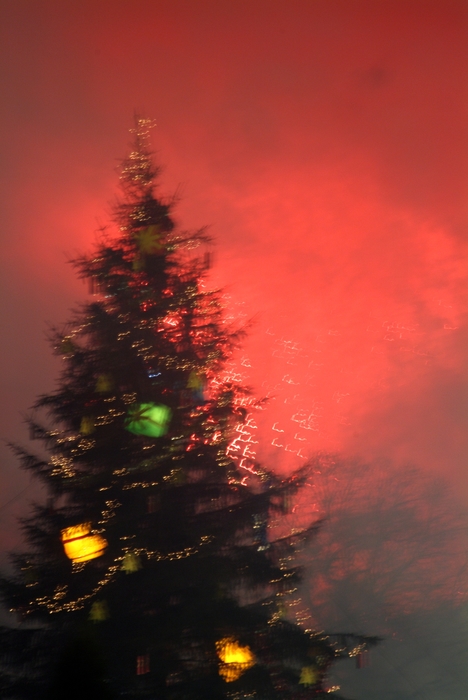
x=325, y=144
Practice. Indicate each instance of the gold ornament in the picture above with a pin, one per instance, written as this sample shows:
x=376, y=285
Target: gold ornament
x=138, y=264
x=194, y=381
x=104, y=384
x=99, y=611
x=131, y=563
x=87, y=426
x=149, y=240
x=234, y=659
x=80, y=545
x=309, y=676
x=282, y=609
x=66, y=346
x=197, y=384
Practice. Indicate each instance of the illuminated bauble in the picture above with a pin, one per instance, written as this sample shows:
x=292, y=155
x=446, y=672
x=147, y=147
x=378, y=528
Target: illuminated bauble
x=104, y=384
x=143, y=664
x=99, y=611
x=138, y=264
x=149, y=240
x=196, y=383
x=80, y=545
x=131, y=563
x=87, y=426
x=66, y=346
x=148, y=419
x=282, y=609
x=309, y=676
x=235, y=659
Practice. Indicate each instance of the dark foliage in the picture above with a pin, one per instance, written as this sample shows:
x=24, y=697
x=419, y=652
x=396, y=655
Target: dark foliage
x=187, y=564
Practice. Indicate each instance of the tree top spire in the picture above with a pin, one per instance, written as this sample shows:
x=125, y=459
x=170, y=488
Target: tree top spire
x=137, y=170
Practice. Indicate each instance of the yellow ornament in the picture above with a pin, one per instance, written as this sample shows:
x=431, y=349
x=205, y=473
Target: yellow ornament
x=87, y=426
x=194, y=381
x=66, y=346
x=309, y=676
x=282, y=609
x=104, y=384
x=196, y=384
x=131, y=562
x=80, y=545
x=234, y=659
x=99, y=611
x=138, y=264
x=149, y=240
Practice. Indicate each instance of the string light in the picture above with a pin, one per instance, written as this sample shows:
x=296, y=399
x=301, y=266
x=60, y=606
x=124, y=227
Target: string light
x=62, y=466
x=233, y=438
x=55, y=603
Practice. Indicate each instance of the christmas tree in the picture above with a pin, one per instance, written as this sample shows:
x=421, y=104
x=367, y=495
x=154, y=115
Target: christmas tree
x=153, y=569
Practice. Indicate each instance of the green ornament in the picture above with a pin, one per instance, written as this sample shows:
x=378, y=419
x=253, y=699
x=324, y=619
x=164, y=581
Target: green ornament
x=149, y=240
x=131, y=563
x=148, y=419
x=309, y=676
x=99, y=611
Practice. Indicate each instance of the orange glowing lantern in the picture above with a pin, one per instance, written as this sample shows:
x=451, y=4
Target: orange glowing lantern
x=80, y=545
x=234, y=659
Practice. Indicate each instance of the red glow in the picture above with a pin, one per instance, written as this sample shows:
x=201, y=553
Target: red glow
x=325, y=144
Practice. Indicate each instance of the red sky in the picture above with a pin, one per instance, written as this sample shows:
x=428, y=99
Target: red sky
x=324, y=141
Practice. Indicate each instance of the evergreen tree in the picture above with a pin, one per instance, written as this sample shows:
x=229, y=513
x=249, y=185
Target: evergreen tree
x=152, y=570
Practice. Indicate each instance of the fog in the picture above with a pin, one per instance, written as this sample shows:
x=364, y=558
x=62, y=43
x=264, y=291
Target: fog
x=324, y=144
